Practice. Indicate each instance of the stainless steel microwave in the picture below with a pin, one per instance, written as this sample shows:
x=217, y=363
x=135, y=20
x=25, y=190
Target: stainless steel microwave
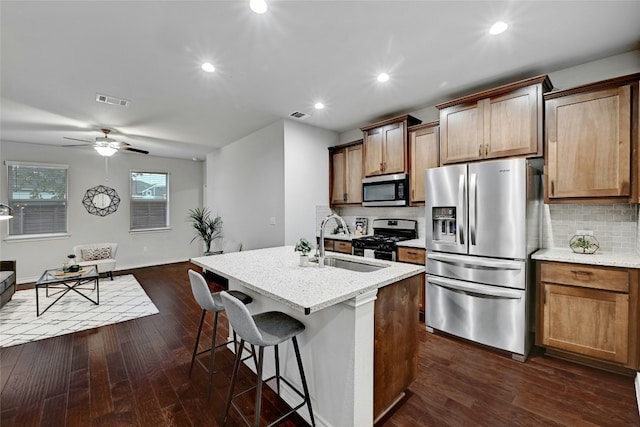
x=386, y=190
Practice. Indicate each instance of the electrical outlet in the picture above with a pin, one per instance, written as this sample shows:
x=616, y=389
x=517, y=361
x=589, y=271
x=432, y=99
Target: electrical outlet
x=272, y=220
x=585, y=232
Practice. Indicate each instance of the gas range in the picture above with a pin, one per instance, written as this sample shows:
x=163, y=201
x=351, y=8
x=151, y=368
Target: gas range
x=386, y=233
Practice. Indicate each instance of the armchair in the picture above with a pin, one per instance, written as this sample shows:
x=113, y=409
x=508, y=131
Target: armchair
x=102, y=255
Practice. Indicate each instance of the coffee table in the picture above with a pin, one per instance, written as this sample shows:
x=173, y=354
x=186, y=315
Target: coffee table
x=56, y=278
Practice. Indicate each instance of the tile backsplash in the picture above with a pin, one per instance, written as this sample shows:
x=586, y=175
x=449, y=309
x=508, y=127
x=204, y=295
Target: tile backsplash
x=349, y=214
x=614, y=225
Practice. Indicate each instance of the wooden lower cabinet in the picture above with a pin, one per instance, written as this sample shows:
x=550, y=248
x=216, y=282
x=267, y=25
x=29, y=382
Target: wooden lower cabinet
x=414, y=256
x=395, y=357
x=334, y=245
x=590, y=312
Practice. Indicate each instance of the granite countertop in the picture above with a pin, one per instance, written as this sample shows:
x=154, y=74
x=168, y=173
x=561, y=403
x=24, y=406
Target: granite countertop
x=414, y=243
x=610, y=259
x=275, y=272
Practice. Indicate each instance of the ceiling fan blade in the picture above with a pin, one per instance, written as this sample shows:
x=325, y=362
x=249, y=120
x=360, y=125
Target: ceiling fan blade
x=76, y=139
x=79, y=145
x=135, y=150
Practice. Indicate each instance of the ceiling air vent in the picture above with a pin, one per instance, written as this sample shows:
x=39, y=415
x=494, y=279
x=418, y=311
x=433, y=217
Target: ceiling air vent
x=298, y=115
x=112, y=100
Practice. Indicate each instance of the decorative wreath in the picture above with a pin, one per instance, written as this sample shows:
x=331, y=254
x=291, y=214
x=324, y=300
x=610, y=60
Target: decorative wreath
x=101, y=200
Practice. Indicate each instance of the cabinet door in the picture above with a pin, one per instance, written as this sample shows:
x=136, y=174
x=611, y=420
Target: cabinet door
x=423, y=154
x=511, y=124
x=394, y=138
x=354, y=174
x=373, y=143
x=590, y=322
x=342, y=246
x=338, y=177
x=461, y=133
x=589, y=144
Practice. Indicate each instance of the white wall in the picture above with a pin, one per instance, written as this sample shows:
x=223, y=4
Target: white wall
x=280, y=171
x=306, y=177
x=245, y=186
x=87, y=170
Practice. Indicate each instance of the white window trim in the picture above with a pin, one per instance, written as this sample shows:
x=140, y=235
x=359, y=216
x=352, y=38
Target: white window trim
x=40, y=236
x=168, y=201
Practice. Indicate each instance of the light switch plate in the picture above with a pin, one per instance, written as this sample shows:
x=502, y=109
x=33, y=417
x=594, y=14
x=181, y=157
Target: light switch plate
x=272, y=220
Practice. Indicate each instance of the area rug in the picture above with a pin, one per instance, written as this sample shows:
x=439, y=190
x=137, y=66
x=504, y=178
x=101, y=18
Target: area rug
x=120, y=300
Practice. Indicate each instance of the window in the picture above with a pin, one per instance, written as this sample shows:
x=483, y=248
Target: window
x=38, y=197
x=149, y=200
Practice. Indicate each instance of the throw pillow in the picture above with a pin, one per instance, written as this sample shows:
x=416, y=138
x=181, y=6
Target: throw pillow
x=96, y=254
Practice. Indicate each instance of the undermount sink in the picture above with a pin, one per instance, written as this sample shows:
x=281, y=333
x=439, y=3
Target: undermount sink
x=350, y=265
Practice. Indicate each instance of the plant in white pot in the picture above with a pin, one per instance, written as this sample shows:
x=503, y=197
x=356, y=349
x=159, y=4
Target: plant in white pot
x=207, y=227
x=303, y=247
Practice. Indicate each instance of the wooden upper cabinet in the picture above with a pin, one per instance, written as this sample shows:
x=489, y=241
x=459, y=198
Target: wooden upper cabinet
x=423, y=154
x=385, y=146
x=592, y=143
x=346, y=174
x=502, y=122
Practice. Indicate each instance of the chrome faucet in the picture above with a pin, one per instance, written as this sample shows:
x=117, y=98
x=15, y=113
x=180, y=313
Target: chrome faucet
x=322, y=225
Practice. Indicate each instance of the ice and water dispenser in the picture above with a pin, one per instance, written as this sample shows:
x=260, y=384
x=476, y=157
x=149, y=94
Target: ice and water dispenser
x=444, y=224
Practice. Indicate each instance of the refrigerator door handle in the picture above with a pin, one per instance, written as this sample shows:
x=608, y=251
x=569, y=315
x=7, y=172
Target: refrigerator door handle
x=473, y=290
x=460, y=209
x=476, y=264
x=473, y=207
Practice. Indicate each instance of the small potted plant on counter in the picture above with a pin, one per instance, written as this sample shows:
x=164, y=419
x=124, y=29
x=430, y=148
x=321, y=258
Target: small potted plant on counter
x=304, y=247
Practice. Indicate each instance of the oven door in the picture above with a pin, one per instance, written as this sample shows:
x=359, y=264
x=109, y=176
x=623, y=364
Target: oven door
x=386, y=190
x=486, y=314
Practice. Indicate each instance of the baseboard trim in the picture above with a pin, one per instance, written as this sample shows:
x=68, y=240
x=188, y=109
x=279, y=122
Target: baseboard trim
x=31, y=280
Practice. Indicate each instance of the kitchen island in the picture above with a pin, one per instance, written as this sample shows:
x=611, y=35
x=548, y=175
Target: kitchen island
x=359, y=348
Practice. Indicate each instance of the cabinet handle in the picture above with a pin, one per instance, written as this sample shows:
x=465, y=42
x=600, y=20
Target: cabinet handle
x=544, y=296
x=582, y=273
x=384, y=165
x=486, y=150
x=552, y=189
x=344, y=197
x=381, y=166
x=480, y=150
x=412, y=253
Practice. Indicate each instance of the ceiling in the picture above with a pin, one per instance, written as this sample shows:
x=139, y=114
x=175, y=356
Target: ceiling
x=57, y=55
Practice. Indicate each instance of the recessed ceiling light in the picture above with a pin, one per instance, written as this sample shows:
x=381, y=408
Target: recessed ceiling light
x=319, y=106
x=208, y=67
x=498, y=28
x=383, y=77
x=258, y=6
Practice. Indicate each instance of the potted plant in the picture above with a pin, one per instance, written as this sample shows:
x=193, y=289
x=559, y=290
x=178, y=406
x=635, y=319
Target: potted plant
x=207, y=227
x=304, y=247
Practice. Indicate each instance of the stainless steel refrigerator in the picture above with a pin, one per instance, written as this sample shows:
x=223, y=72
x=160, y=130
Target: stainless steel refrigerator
x=483, y=221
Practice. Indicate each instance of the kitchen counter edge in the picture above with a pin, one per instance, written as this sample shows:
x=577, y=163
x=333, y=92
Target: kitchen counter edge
x=609, y=259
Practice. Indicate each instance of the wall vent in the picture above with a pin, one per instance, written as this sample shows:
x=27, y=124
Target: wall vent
x=299, y=116
x=112, y=100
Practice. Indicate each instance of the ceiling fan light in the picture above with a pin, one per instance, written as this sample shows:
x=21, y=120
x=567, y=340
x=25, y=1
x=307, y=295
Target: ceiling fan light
x=106, y=151
x=258, y=6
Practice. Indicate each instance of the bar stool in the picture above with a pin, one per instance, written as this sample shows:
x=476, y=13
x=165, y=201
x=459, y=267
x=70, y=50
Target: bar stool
x=263, y=330
x=211, y=302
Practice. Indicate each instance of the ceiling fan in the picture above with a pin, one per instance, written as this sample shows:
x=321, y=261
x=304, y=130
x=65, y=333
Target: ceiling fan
x=106, y=146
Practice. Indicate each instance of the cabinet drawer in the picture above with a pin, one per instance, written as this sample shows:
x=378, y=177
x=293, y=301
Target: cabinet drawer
x=340, y=246
x=586, y=276
x=411, y=255
x=328, y=244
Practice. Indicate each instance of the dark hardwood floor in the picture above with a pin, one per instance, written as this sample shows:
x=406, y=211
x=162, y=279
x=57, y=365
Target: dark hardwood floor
x=135, y=374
